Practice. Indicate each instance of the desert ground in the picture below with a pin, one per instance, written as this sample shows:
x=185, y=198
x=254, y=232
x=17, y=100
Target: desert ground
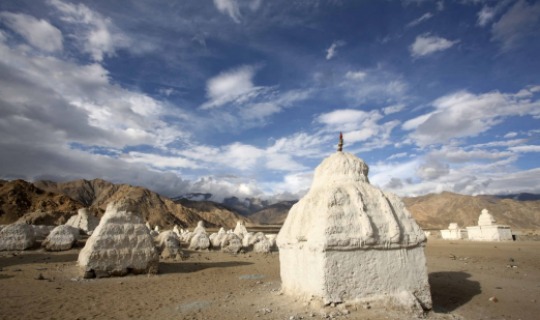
x=469, y=280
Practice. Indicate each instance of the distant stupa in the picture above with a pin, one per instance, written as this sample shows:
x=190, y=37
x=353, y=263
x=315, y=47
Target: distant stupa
x=348, y=241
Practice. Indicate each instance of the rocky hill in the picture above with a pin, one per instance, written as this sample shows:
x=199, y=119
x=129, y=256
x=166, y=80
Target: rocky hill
x=214, y=212
x=18, y=197
x=21, y=200
x=436, y=211
x=273, y=214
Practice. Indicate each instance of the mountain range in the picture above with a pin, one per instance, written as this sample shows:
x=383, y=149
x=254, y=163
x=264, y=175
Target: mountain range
x=48, y=202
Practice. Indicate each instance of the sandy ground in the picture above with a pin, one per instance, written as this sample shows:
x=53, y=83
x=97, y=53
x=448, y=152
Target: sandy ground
x=211, y=285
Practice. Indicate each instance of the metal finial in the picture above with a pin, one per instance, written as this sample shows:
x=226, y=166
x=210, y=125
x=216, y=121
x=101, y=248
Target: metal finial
x=340, y=144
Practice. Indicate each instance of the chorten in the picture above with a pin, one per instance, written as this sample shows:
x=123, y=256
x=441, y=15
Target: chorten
x=348, y=241
x=487, y=230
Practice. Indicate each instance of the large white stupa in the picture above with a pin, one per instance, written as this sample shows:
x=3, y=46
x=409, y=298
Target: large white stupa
x=348, y=241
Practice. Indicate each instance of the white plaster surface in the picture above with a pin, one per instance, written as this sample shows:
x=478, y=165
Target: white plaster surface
x=200, y=228
x=61, y=238
x=168, y=244
x=83, y=220
x=121, y=243
x=485, y=218
x=17, y=236
x=240, y=229
x=487, y=230
x=490, y=233
x=346, y=240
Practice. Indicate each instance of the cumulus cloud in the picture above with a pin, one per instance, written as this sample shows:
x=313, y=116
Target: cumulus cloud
x=359, y=126
x=332, y=50
x=463, y=114
x=39, y=33
x=469, y=173
x=71, y=122
x=520, y=22
x=427, y=44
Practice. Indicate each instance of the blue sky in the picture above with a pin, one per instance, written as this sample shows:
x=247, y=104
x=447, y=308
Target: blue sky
x=245, y=98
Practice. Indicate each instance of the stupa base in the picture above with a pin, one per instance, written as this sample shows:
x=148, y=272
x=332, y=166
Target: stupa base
x=394, y=277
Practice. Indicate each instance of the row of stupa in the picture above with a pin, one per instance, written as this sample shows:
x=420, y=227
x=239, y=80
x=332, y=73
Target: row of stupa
x=486, y=230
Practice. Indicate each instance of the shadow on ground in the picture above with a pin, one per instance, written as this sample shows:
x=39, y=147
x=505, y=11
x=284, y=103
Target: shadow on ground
x=20, y=258
x=186, y=267
x=452, y=289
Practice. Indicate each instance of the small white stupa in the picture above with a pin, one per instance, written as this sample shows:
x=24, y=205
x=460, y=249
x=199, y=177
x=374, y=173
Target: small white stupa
x=17, y=236
x=348, y=241
x=120, y=244
x=63, y=237
x=200, y=239
x=168, y=244
x=453, y=232
x=487, y=230
x=240, y=229
x=83, y=220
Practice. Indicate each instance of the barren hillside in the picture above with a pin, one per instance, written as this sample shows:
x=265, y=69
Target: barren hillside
x=19, y=198
x=436, y=211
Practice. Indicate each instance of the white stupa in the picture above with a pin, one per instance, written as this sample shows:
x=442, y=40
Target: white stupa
x=348, y=241
x=83, y=220
x=487, y=230
x=120, y=244
x=453, y=232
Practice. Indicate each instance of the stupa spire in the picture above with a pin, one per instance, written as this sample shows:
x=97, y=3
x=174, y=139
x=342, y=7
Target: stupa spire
x=340, y=144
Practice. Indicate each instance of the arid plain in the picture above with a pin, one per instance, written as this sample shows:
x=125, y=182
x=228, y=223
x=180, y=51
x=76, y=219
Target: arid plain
x=469, y=280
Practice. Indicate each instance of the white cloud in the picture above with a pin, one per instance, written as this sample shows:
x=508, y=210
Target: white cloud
x=283, y=162
x=432, y=169
x=485, y=15
x=397, y=155
x=424, y=17
x=440, y=5
x=39, y=33
x=355, y=75
x=510, y=135
x=525, y=148
x=426, y=44
x=157, y=161
x=375, y=84
x=230, y=8
x=393, y=108
x=415, y=122
x=517, y=24
x=231, y=86
x=302, y=145
x=456, y=154
x=359, y=126
x=332, y=50
x=96, y=34
x=222, y=187
x=463, y=114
